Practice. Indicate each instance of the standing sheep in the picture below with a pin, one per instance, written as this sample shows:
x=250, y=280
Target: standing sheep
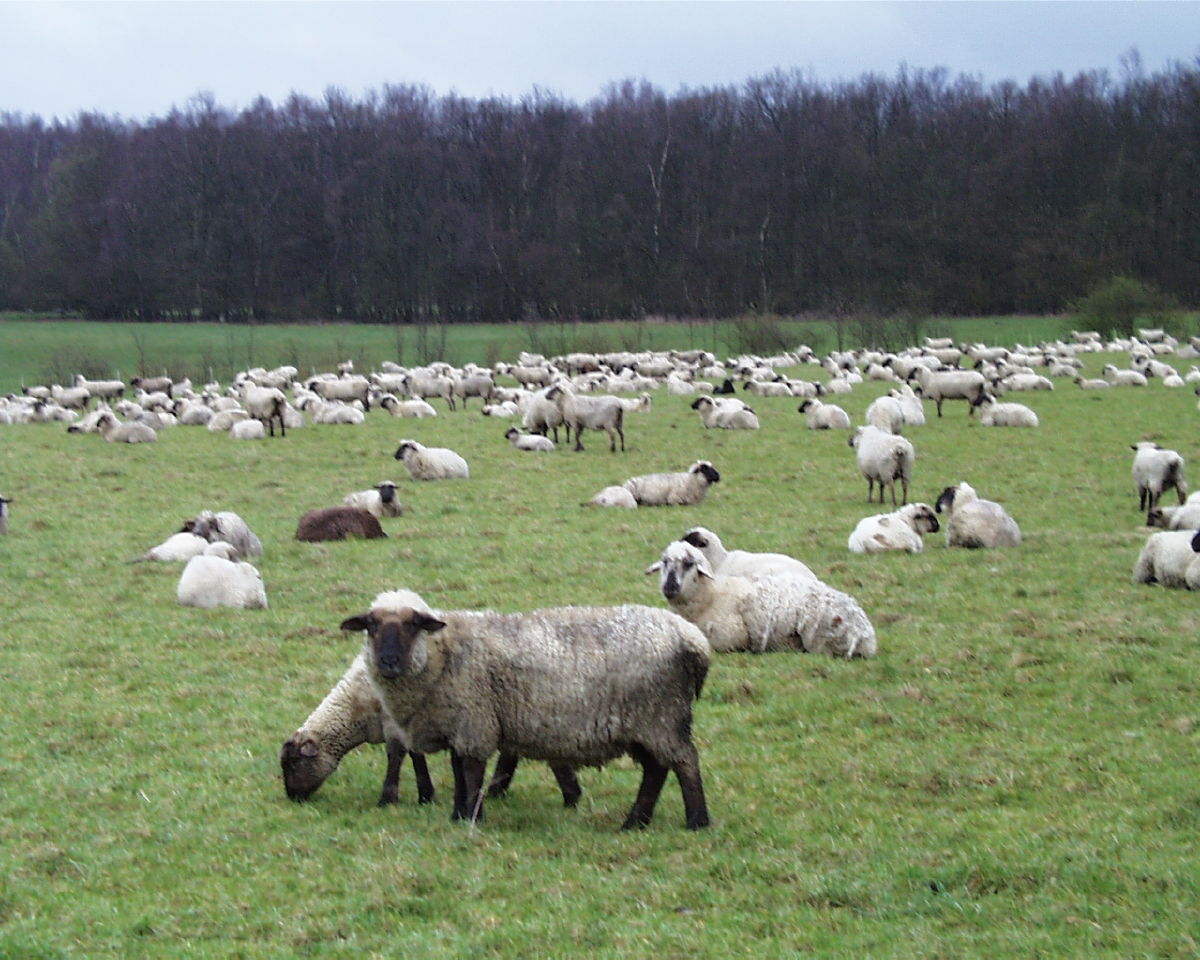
x=381, y=500
x=975, y=523
x=590, y=413
x=1156, y=469
x=950, y=385
x=210, y=581
x=431, y=463
x=338, y=523
x=883, y=458
x=572, y=685
x=674, y=489
x=900, y=530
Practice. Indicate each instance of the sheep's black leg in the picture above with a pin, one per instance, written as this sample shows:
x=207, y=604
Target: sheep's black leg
x=654, y=775
x=460, y=788
x=391, y=779
x=567, y=783
x=695, y=809
x=472, y=775
x=502, y=776
x=424, y=782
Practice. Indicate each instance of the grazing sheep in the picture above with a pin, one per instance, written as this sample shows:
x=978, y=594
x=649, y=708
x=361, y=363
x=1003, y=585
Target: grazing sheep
x=1184, y=517
x=900, y=530
x=974, y=523
x=741, y=563
x=674, y=489
x=589, y=413
x=4, y=502
x=778, y=612
x=883, y=458
x=613, y=497
x=227, y=527
x=530, y=442
x=1156, y=469
x=824, y=416
x=431, y=463
x=380, y=500
x=993, y=414
x=575, y=686
x=725, y=414
x=338, y=523
x=113, y=431
x=407, y=408
x=212, y=581
x=1171, y=559
x=950, y=385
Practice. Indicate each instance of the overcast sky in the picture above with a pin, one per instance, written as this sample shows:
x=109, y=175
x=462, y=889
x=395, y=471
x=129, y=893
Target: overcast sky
x=139, y=59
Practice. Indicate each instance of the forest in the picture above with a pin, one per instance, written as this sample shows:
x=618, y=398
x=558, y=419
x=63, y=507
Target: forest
x=915, y=193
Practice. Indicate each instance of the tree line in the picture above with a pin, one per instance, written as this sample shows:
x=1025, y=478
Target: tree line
x=916, y=193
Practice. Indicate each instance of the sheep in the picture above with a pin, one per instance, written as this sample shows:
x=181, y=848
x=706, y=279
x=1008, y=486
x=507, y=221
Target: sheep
x=975, y=523
x=778, y=612
x=885, y=413
x=177, y=548
x=591, y=413
x=248, y=430
x=612, y=497
x=223, y=420
x=431, y=463
x=910, y=405
x=227, y=527
x=639, y=404
x=1122, y=378
x=72, y=398
x=338, y=523
x=475, y=385
x=4, y=502
x=1092, y=384
x=380, y=500
x=883, y=458
x=725, y=414
x=1172, y=559
x=264, y=404
x=543, y=415
x=421, y=385
x=1156, y=469
x=212, y=581
x=993, y=414
x=824, y=416
x=674, y=489
x=574, y=686
x=900, y=530
x=407, y=408
x=108, y=389
x=530, y=442
x=741, y=563
x=1185, y=517
x=343, y=389
x=113, y=431
x=950, y=385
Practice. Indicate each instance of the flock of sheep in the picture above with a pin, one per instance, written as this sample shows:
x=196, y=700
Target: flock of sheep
x=579, y=686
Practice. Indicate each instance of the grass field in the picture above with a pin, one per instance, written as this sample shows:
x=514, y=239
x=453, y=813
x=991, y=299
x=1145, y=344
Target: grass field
x=1015, y=774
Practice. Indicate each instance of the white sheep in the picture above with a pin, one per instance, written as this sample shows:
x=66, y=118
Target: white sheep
x=248, y=430
x=177, y=548
x=824, y=416
x=113, y=431
x=4, y=502
x=590, y=413
x=265, y=404
x=1156, y=469
x=575, y=686
x=227, y=527
x=543, y=415
x=911, y=405
x=725, y=414
x=1171, y=559
x=674, y=489
x=899, y=530
x=950, y=385
x=993, y=414
x=407, y=408
x=223, y=420
x=1123, y=378
x=529, y=442
x=885, y=413
x=975, y=523
x=613, y=497
x=774, y=613
x=1183, y=517
x=380, y=500
x=212, y=581
x=431, y=463
x=742, y=563
x=883, y=458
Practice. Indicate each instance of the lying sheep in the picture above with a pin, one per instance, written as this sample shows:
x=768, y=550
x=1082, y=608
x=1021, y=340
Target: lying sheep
x=824, y=416
x=177, y=548
x=757, y=616
x=725, y=414
x=338, y=523
x=113, y=431
x=993, y=414
x=1156, y=469
x=380, y=500
x=674, y=489
x=900, y=530
x=1170, y=559
x=248, y=430
x=530, y=442
x=883, y=458
x=575, y=686
x=975, y=523
x=431, y=463
x=1184, y=517
x=212, y=581
x=228, y=527
x=407, y=408
x=910, y=405
x=613, y=497
x=741, y=563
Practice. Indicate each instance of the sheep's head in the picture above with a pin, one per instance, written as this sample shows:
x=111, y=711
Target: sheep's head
x=805, y=405
x=945, y=503
x=406, y=446
x=706, y=470
x=679, y=570
x=395, y=638
x=922, y=518
x=306, y=765
x=387, y=491
x=702, y=403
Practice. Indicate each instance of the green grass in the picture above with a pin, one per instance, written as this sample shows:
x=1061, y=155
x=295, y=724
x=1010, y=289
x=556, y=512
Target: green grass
x=1013, y=775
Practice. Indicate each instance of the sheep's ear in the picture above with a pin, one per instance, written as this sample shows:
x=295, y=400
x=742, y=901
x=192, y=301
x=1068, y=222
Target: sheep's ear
x=423, y=621
x=361, y=621
x=654, y=567
x=836, y=622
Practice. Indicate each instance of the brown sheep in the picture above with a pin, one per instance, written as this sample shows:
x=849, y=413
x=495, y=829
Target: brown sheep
x=338, y=523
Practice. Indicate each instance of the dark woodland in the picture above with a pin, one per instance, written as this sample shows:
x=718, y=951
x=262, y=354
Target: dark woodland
x=912, y=193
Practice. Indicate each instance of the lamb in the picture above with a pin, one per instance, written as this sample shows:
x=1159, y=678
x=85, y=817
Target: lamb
x=993, y=414
x=613, y=497
x=530, y=442
x=900, y=530
x=1092, y=384
x=380, y=500
x=591, y=413
x=338, y=523
x=741, y=563
x=725, y=414
x=431, y=463
x=227, y=527
x=1156, y=469
x=674, y=489
x=575, y=686
x=975, y=523
x=113, y=431
x=883, y=458
x=778, y=612
x=212, y=581
x=1185, y=517
x=950, y=385
x=1172, y=559
x=824, y=416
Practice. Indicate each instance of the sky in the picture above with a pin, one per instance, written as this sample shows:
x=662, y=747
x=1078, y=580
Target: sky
x=137, y=60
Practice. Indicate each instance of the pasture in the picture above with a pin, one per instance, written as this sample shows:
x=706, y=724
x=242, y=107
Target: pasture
x=1015, y=774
